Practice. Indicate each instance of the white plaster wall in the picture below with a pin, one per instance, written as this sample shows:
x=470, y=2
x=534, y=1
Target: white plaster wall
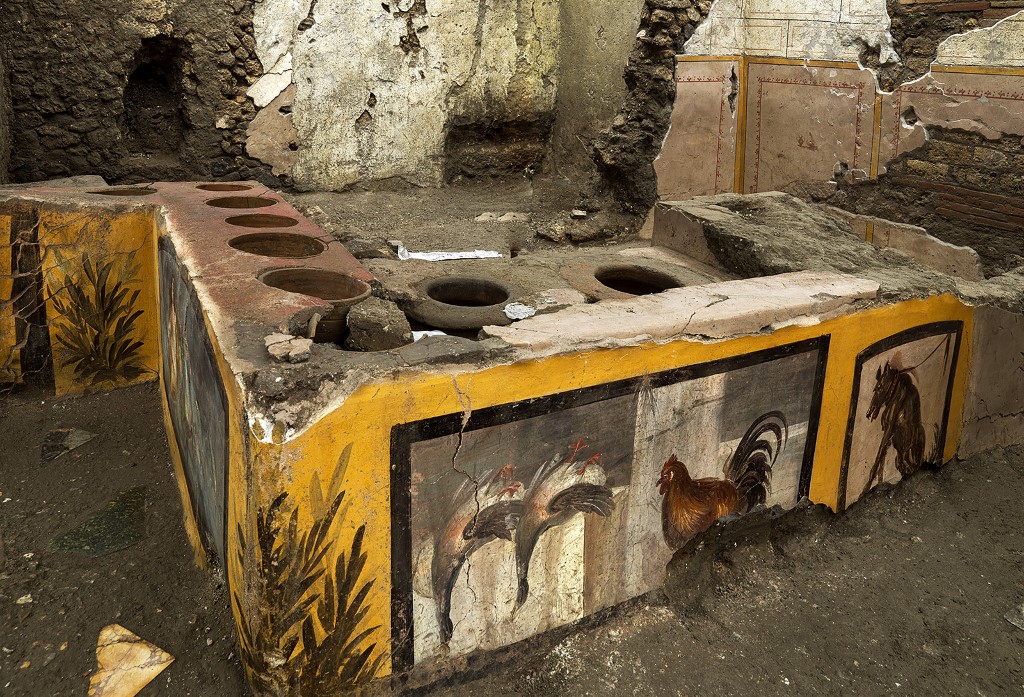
x=596, y=41
x=478, y=60
x=814, y=29
x=1000, y=46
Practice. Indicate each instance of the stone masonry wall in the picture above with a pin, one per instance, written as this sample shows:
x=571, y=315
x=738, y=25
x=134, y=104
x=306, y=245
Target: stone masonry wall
x=70, y=65
x=625, y=152
x=919, y=27
x=5, y=122
x=960, y=186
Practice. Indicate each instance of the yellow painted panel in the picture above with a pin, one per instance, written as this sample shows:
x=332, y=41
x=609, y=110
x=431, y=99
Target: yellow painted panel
x=10, y=355
x=855, y=333
x=99, y=279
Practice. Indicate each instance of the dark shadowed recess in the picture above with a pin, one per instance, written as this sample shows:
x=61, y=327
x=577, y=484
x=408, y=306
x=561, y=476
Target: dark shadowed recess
x=154, y=120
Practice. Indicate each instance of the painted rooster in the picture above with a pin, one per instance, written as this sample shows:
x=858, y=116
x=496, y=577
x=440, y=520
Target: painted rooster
x=691, y=505
x=560, y=489
x=481, y=512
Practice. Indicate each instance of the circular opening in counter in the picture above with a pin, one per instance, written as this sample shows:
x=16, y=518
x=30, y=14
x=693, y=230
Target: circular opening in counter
x=284, y=245
x=126, y=191
x=261, y=220
x=327, y=285
x=463, y=291
x=635, y=280
x=224, y=187
x=241, y=202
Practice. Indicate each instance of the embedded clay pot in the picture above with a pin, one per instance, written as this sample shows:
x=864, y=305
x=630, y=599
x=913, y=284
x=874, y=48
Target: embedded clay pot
x=283, y=245
x=340, y=290
x=635, y=280
x=611, y=277
x=261, y=220
x=463, y=302
x=241, y=202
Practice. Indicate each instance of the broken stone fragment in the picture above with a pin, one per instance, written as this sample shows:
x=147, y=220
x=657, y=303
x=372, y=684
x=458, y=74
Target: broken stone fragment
x=377, y=325
x=556, y=233
x=287, y=348
x=555, y=299
x=510, y=217
x=119, y=525
x=588, y=233
x=63, y=440
x=577, y=214
x=516, y=311
x=125, y=663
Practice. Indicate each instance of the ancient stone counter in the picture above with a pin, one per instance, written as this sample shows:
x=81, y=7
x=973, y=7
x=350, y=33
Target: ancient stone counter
x=399, y=512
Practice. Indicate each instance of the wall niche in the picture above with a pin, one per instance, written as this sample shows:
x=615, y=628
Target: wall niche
x=154, y=115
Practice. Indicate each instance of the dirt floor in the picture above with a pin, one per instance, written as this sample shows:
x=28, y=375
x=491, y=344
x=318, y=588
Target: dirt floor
x=152, y=588
x=537, y=214
x=904, y=594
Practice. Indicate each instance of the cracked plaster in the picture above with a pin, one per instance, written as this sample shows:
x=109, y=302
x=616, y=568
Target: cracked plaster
x=741, y=307
x=822, y=30
x=1000, y=45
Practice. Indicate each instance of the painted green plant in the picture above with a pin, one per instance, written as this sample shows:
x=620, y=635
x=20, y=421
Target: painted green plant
x=290, y=589
x=97, y=323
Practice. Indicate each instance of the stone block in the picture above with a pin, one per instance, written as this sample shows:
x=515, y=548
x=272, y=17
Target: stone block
x=987, y=157
x=377, y=325
x=950, y=153
x=930, y=170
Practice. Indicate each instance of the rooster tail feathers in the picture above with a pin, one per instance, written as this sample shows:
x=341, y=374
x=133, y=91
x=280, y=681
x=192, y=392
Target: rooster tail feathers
x=750, y=467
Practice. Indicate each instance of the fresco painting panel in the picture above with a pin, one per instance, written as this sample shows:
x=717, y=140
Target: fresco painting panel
x=101, y=303
x=900, y=409
x=532, y=515
x=10, y=355
x=195, y=398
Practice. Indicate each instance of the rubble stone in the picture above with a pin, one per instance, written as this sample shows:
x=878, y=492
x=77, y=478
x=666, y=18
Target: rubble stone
x=377, y=325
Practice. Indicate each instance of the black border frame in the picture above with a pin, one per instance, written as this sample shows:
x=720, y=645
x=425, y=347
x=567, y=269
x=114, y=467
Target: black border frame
x=907, y=336
x=404, y=435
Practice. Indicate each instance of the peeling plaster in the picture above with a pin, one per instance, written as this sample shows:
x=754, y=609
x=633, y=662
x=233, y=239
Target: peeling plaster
x=426, y=66
x=999, y=45
x=273, y=82
x=813, y=29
